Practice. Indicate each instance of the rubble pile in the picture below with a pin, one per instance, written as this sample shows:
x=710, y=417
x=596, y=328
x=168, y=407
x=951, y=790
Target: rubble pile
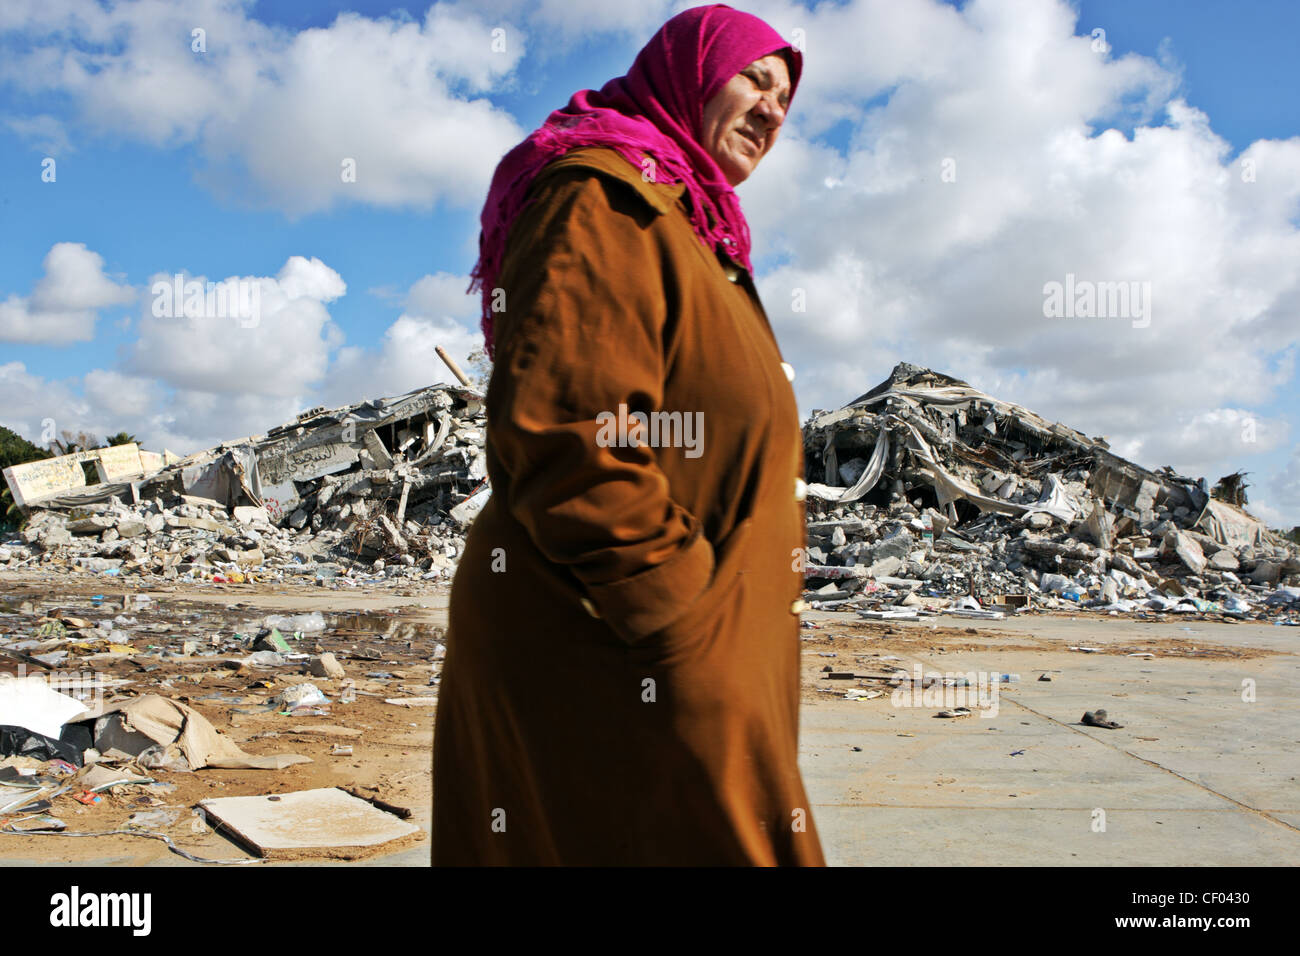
x=924, y=488
x=927, y=488
x=386, y=487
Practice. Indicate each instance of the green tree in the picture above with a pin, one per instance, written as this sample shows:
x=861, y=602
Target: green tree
x=14, y=450
x=121, y=438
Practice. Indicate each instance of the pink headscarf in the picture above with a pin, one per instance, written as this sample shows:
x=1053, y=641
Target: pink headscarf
x=656, y=110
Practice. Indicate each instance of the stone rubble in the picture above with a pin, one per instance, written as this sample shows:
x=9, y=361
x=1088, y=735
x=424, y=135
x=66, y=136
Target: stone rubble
x=371, y=493
x=927, y=496
x=923, y=493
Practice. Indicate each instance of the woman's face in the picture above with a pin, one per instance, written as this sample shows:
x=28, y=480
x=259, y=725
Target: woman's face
x=741, y=121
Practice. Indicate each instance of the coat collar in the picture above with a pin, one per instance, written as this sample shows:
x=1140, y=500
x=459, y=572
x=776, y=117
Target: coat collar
x=661, y=196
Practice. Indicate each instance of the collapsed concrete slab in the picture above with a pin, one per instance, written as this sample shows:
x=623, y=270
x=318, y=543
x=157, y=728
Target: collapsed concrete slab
x=308, y=823
x=377, y=483
x=928, y=480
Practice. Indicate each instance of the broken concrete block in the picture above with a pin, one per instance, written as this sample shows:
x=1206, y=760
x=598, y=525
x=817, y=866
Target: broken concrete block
x=896, y=545
x=326, y=822
x=394, y=535
x=326, y=665
x=1266, y=572
x=200, y=524
x=1186, y=549
x=886, y=566
x=1224, y=560
x=91, y=524
x=131, y=527
x=54, y=537
x=375, y=446
x=247, y=514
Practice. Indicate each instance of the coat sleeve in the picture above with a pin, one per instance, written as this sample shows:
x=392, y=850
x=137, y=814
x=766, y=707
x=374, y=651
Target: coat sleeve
x=581, y=334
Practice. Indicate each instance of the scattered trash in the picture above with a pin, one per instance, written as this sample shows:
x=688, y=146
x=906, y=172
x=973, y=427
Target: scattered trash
x=136, y=725
x=1098, y=718
x=99, y=779
x=267, y=659
x=32, y=704
x=36, y=824
x=301, y=696
x=273, y=642
x=152, y=819
x=955, y=712
x=21, y=742
x=312, y=623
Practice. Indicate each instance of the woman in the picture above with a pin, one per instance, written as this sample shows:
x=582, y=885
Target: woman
x=621, y=680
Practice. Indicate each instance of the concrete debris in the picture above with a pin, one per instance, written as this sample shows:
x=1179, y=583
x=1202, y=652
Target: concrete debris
x=149, y=702
x=324, y=822
x=921, y=490
x=925, y=490
x=380, y=491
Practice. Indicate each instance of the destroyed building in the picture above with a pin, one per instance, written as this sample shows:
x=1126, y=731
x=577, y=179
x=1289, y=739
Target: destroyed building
x=924, y=489
x=927, y=486
x=392, y=481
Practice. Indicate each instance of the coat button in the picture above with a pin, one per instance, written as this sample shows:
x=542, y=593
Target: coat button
x=800, y=489
x=798, y=607
x=789, y=371
x=590, y=608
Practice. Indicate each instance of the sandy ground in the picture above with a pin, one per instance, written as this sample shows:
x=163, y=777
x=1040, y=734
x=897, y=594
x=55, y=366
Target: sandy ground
x=392, y=745
x=1196, y=775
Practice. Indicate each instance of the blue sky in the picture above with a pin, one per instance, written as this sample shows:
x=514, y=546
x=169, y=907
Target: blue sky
x=167, y=162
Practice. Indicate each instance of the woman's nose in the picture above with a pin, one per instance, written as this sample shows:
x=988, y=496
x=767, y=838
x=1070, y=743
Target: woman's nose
x=770, y=109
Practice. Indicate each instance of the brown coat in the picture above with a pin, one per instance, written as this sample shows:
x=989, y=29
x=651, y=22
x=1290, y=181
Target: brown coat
x=622, y=676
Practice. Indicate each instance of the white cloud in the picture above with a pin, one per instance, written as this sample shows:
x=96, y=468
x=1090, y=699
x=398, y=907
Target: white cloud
x=554, y=25
x=41, y=410
x=437, y=311
x=898, y=263
x=45, y=132
x=279, y=355
x=65, y=301
x=121, y=396
x=1276, y=497
x=275, y=114
x=191, y=382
